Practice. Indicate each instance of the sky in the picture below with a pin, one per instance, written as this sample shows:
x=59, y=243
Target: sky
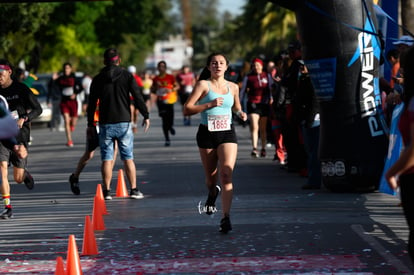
x=233, y=6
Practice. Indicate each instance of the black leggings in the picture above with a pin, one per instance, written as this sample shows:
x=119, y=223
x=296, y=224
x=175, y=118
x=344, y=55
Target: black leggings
x=166, y=112
x=407, y=192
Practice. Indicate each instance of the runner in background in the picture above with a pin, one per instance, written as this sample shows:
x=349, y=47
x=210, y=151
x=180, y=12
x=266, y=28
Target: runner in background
x=186, y=80
x=165, y=87
x=134, y=111
x=146, y=89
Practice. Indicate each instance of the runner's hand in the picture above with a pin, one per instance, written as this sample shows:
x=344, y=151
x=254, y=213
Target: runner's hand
x=146, y=124
x=243, y=116
x=392, y=182
x=20, y=151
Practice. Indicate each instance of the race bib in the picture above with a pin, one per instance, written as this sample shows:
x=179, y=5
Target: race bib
x=146, y=91
x=68, y=91
x=162, y=91
x=218, y=123
x=188, y=89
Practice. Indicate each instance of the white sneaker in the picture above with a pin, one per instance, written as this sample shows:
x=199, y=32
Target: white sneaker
x=135, y=194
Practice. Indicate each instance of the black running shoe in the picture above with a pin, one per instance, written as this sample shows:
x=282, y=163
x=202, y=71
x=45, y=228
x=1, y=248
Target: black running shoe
x=210, y=206
x=28, y=180
x=225, y=225
x=6, y=214
x=74, y=184
x=107, y=194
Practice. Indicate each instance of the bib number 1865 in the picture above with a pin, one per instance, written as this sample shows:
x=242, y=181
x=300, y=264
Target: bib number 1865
x=218, y=123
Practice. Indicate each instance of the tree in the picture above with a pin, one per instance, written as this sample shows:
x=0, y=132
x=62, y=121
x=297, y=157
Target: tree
x=205, y=25
x=18, y=32
x=134, y=26
x=80, y=31
x=71, y=37
x=262, y=29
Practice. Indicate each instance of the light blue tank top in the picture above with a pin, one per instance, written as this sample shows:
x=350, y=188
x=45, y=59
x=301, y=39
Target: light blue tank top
x=224, y=109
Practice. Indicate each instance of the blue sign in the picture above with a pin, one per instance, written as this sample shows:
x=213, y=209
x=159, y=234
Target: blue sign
x=323, y=76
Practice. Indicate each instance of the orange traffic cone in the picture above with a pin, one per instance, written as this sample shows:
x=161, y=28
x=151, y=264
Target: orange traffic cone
x=89, y=246
x=97, y=218
x=101, y=200
x=73, y=266
x=121, y=190
x=60, y=267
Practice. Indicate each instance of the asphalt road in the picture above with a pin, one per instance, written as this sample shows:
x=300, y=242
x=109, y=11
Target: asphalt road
x=278, y=228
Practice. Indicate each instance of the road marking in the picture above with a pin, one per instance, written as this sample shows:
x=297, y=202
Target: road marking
x=390, y=258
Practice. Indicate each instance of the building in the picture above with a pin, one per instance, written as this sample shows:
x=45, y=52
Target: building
x=175, y=51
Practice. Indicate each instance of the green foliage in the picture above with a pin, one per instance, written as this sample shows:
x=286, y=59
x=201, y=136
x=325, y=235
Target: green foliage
x=72, y=37
x=45, y=35
x=263, y=29
x=206, y=23
x=18, y=26
x=134, y=26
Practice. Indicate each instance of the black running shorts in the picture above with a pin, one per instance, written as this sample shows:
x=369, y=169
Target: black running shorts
x=211, y=140
x=92, y=142
x=261, y=109
x=9, y=156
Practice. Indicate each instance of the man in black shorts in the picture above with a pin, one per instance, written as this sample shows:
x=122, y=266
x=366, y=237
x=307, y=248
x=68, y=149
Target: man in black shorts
x=20, y=99
x=92, y=142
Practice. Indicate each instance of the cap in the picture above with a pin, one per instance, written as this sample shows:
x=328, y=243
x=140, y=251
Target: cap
x=294, y=45
x=258, y=60
x=4, y=67
x=132, y=69
x=111, y=55
x=404, y=40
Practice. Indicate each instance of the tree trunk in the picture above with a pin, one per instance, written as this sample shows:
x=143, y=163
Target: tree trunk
x=407, y=12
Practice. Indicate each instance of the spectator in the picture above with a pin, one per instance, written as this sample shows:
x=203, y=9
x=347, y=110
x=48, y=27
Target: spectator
x=291, y=129
x=401, y=174
x=54, y=97
x=113, y=87
x=308, y=115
